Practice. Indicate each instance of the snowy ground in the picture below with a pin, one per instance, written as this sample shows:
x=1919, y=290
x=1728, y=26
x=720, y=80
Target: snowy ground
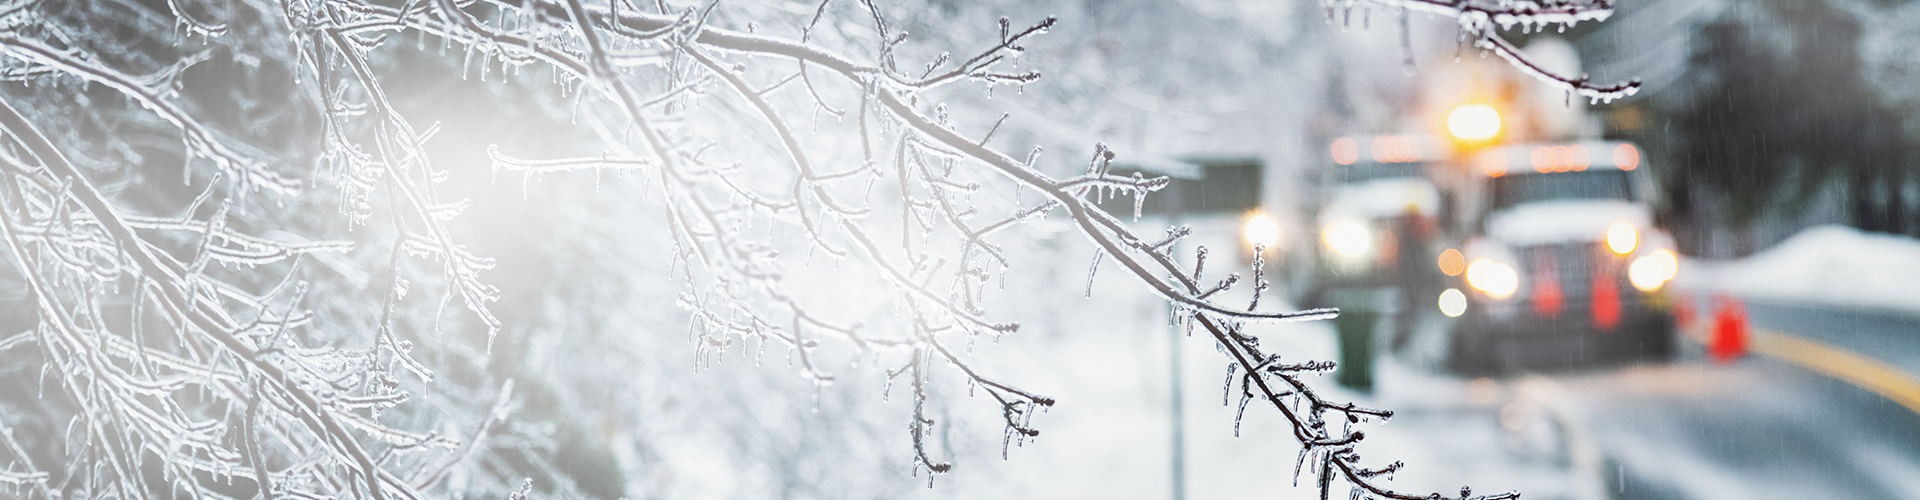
x=1110, y=435
x=1827, y=265
x=1107, y=359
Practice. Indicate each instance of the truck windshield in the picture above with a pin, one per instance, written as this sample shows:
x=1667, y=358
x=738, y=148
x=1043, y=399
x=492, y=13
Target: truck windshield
x=1589, y=185
x=1362, y=172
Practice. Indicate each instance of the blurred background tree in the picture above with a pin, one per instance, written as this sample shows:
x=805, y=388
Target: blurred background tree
x=1790, y=114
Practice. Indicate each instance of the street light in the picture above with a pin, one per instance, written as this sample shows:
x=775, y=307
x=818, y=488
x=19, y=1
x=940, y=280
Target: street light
x=1474, y=122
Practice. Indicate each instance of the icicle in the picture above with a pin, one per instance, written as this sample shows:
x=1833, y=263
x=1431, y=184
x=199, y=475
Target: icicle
x=1259, y=271
x=1199, y=262
x=1299, y=461
x=1139, y=197
x=1095, y=268
x=1226, y=388
x=466, y=62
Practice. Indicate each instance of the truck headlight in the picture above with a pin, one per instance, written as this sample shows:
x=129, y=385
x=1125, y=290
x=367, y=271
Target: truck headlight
x=1349, y=238
x=1262, y=232
x=1453, y=303
x=1622, y=239
x=1652, y=270
x=1497, y=280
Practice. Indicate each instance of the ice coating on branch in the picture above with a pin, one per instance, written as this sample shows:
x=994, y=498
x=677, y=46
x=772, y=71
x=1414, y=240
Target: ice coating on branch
x=908, y=210
x=1481, y=22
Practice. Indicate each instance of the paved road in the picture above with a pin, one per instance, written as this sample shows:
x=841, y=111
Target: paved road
x=1763, y=427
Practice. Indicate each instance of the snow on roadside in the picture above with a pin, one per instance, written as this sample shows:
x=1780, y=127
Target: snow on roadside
x=1107, y=360
x=1830, y=265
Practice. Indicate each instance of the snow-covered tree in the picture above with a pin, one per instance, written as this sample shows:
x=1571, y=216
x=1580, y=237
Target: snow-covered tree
x=232, y=269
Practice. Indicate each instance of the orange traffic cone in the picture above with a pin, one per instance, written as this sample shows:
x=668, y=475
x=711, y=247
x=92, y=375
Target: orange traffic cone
x=1729, y=340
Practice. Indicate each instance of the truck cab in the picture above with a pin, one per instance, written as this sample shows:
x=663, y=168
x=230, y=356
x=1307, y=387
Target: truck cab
x=1563, y=264
x=1377, y=217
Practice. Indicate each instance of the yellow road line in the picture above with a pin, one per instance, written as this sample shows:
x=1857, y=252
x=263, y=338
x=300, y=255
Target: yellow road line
x=1854, y=368
x=1848, y=366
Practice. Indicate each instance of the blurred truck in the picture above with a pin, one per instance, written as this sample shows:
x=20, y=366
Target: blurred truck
x=1377, y=211
x=1378, y=223
x=1563, y=264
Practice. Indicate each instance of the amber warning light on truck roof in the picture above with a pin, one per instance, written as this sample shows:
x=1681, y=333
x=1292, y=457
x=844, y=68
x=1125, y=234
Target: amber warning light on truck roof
x=1381, y=149
x=1573, y=158
x=1556, y=158
x=1626, y=157
x=1394, y=149
x=1345, y=151
x=1493, y=164
x=1473, y=122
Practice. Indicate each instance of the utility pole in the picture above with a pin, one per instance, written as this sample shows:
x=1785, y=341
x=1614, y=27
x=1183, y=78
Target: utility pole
x=1175, y=377
x=1179, y=413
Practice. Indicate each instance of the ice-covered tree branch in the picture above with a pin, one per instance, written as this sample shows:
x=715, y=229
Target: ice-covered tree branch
x=872, y=232
x=1480, y=23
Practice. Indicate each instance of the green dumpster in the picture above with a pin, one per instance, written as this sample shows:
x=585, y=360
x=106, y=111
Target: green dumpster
x=1354, y=328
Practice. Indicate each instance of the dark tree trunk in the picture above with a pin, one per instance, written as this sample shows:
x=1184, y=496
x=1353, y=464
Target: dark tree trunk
x=1860, y=194
x=1896, y=208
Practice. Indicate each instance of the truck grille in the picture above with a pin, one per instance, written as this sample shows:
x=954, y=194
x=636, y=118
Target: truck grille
x=1571, y=264
x=1572, y=267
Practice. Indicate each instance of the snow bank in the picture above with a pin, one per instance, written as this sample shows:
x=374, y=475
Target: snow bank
x=1833, y=265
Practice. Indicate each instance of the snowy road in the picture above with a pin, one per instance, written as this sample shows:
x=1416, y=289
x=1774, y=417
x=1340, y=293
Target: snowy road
x=1762, y=427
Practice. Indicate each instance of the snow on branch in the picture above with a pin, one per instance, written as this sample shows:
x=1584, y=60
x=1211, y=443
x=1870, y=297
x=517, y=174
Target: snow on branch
x=1481, y=21
x=183, y=340
x=929, y=153
x=126, y=426
x=199, y=138
x=872, y=233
